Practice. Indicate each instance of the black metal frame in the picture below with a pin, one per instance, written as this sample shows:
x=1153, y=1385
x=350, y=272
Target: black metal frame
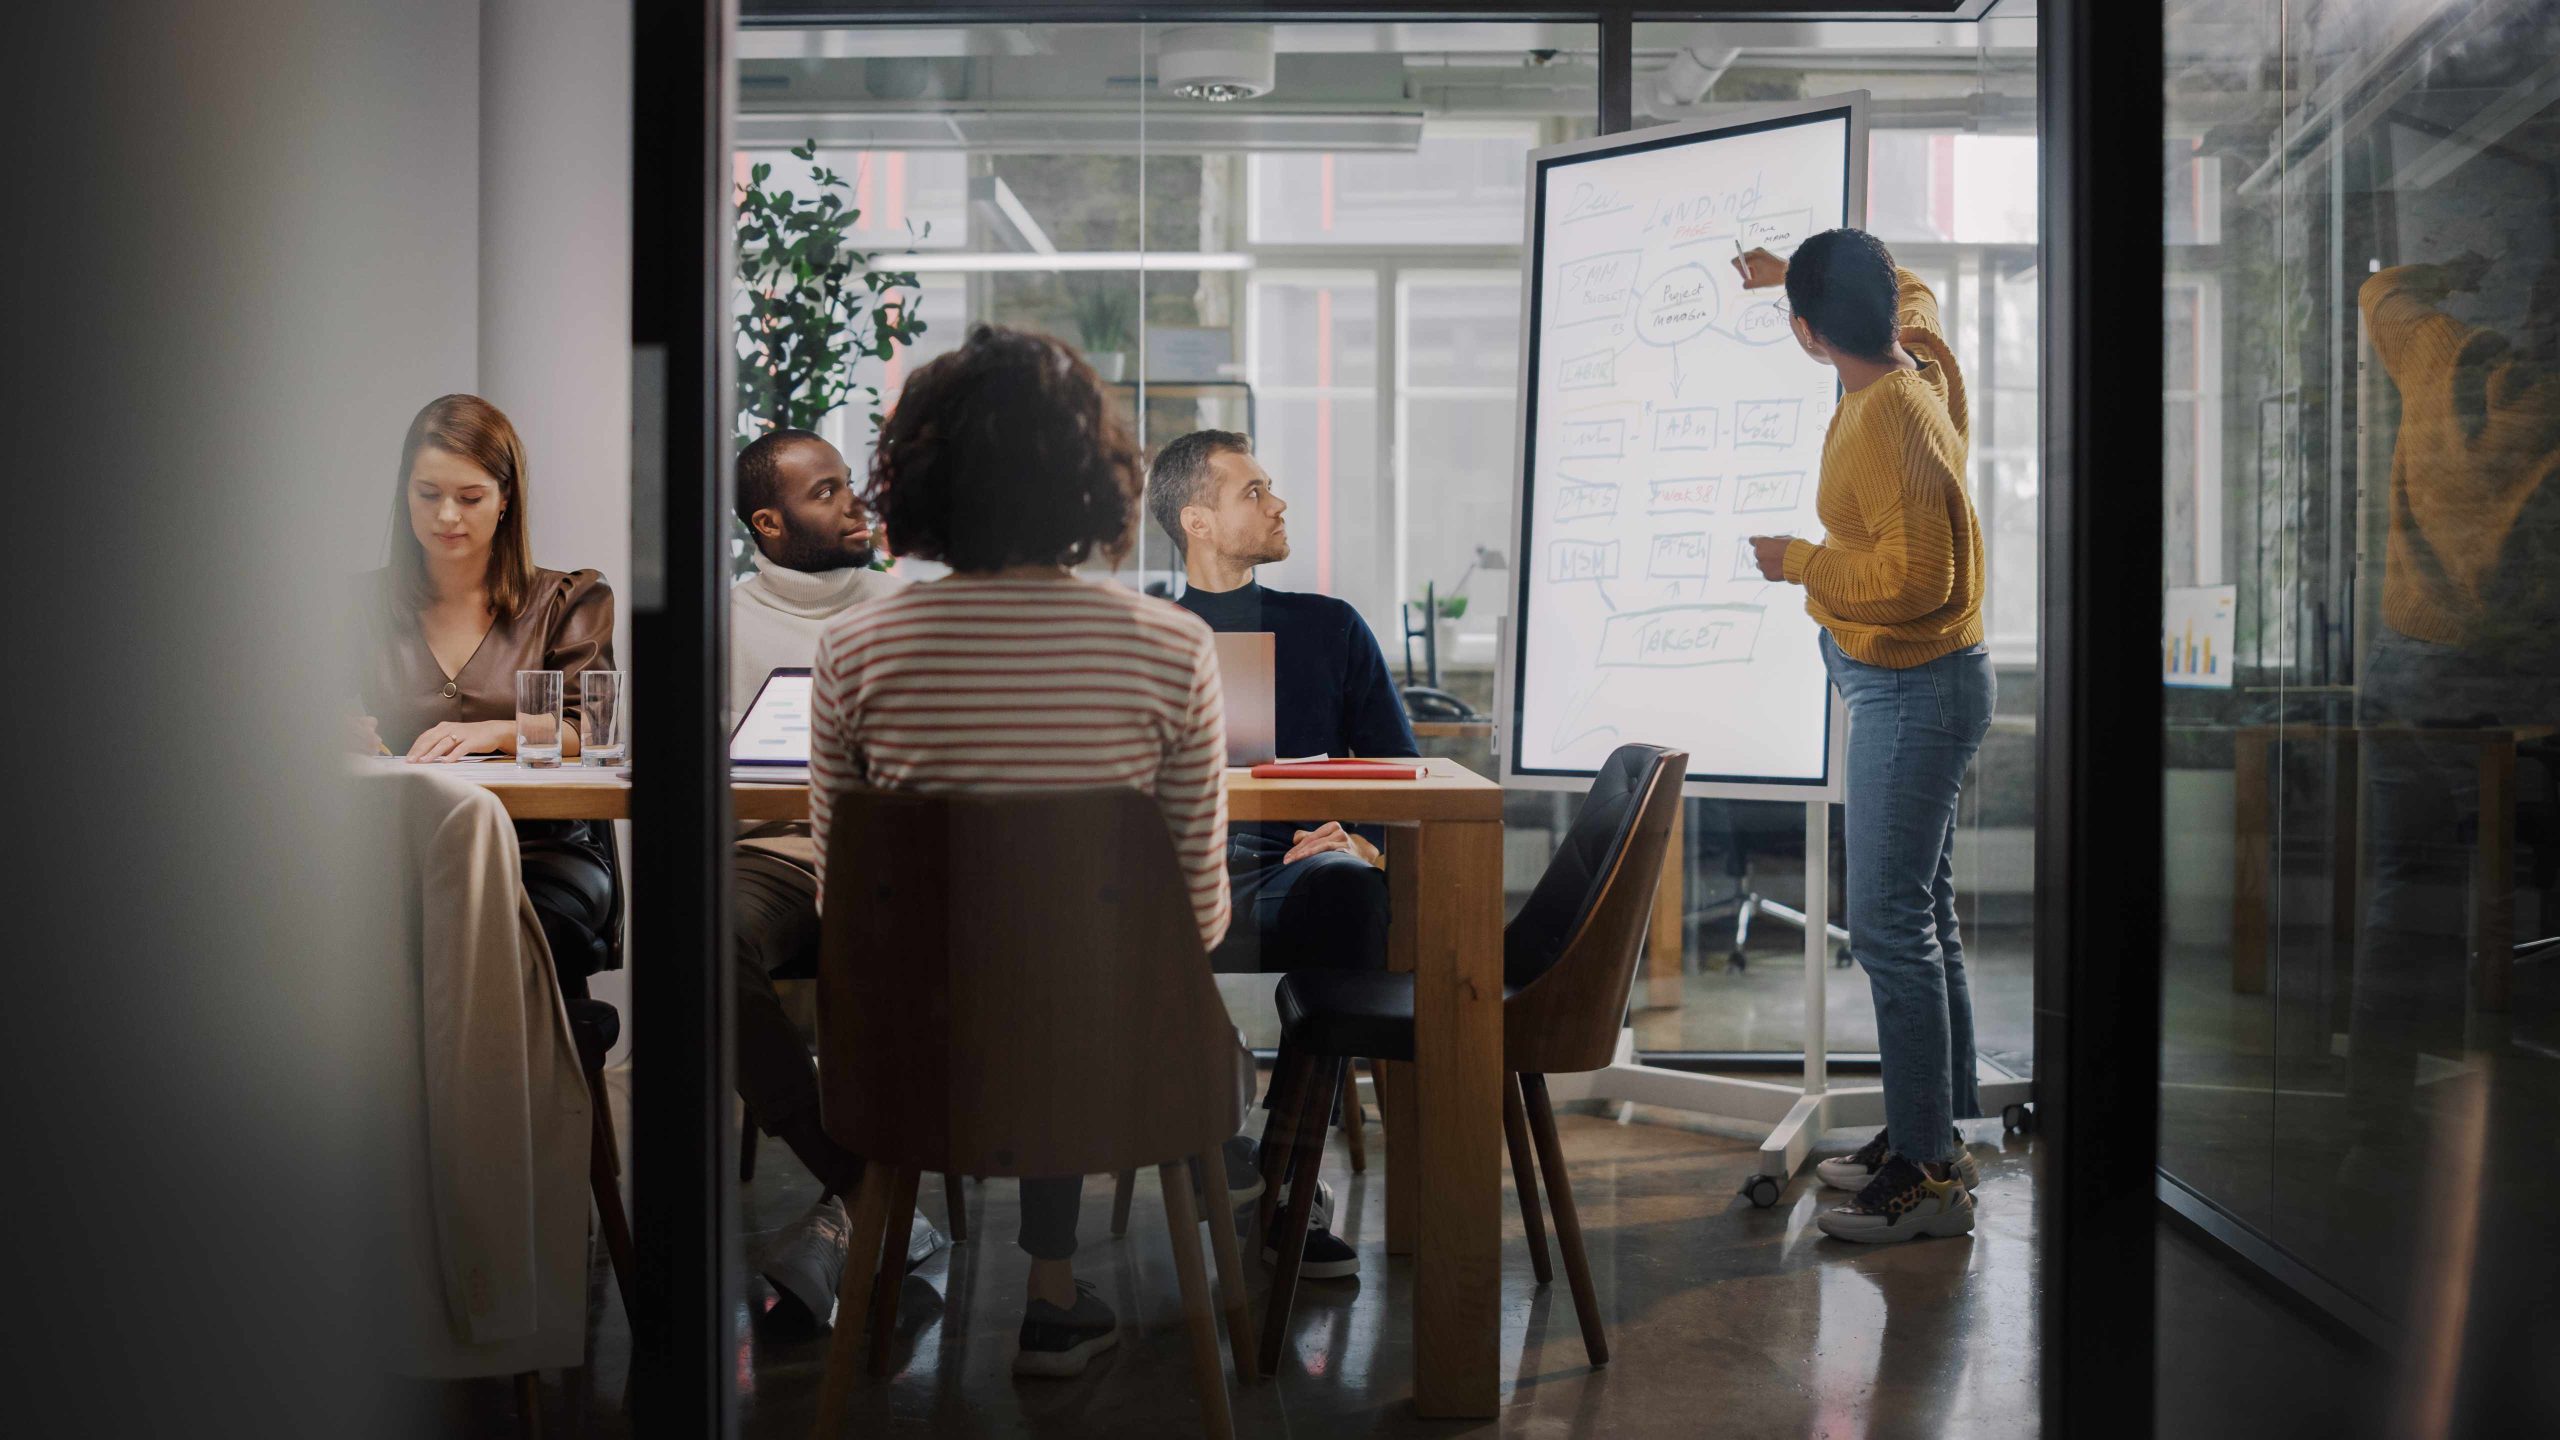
x=2099, y=811
x=680, y=1115
x=1609, y=15
x=2098, y=806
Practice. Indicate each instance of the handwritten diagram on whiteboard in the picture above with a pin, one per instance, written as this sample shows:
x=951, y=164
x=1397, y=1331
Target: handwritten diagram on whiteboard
x=1669, y=417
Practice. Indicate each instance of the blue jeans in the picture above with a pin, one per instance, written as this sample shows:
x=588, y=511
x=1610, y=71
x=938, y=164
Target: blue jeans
x=1911, y=735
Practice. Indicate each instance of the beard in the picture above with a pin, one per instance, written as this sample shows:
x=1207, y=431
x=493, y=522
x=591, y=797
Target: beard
x=810, y=553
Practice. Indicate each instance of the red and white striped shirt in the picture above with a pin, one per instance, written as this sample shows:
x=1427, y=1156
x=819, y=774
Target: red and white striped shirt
x=967, y=683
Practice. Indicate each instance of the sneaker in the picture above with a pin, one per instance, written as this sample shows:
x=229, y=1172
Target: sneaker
x=1057, y=1344
x=807, y=1261
x=1901, y=1203
x=1319, y=1215
x=1853, y=1170
x=1325, y=1258
x=1244, y=1170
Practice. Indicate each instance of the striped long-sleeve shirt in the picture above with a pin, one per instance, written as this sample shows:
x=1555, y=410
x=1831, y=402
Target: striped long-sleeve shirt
x=969, y=683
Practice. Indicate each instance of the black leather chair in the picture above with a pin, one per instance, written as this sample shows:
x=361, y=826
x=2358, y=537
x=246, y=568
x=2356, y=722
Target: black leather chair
x=1568, y=959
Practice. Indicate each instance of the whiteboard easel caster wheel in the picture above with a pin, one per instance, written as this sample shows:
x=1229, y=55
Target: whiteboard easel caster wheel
x=1761, y=1190
x=2018, y=1118
x=1736, y=960
x=1841, y=959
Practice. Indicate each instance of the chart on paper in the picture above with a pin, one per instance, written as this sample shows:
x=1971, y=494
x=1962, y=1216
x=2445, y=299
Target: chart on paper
x=1671, y=417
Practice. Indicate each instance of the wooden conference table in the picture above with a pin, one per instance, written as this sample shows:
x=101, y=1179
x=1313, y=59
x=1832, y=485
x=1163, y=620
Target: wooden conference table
x=1443, y=1130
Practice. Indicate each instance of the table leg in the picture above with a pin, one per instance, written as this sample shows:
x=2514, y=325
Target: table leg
x=1457, y=1100
x=1664, y=947
x=2252, y=881
x=1395, y=1100
x=2493, y=922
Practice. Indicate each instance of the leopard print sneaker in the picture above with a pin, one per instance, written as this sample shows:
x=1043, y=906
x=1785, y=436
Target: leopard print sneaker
x=1901, y=1203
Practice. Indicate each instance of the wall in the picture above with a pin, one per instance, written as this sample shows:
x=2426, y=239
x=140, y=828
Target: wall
x=555, y=290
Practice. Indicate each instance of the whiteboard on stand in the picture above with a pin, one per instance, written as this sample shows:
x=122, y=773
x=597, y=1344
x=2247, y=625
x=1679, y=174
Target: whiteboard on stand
x=1667, y=415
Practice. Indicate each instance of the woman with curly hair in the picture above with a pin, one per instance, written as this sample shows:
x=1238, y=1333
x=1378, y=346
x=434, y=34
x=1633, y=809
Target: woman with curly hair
x=1004, y=461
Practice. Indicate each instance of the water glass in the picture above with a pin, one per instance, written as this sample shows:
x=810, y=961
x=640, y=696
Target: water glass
x=538, y=719
x=604, y=725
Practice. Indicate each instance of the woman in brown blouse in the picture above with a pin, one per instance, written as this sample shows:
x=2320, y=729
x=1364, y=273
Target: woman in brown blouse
x=458, y=611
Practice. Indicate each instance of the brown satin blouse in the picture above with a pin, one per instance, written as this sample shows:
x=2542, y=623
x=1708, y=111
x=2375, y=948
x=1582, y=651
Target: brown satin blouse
x=566, y=625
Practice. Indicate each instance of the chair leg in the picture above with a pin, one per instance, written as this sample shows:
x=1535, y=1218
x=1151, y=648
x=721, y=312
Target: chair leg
x=1211, y=1377
x=1289, y=1241
x=1577, y=1270
x=956, y=1202
x=529, y=1403
x=894, y=1229
x=1524, y=1176
x=1120, y=1197
x=746, y=1146
x=1210, y=1171
x=604, y=1179
x=853, y=1300
x=1289, y=1078
x=1355, y=1120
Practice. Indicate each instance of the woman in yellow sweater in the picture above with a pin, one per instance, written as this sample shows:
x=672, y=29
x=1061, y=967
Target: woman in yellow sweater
x=1897, y=589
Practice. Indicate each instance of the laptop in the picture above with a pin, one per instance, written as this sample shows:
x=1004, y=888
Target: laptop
x=1245, y=674
x=771, y=743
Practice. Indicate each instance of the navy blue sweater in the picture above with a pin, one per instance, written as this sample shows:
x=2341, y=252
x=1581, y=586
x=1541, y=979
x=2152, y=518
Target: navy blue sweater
x=1333, y=693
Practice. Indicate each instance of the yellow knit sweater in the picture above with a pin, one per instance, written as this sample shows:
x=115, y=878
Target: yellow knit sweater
x=1898, y=582
x=2469, y=557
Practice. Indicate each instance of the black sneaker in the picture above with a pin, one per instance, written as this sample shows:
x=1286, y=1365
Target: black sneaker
x=1325, y=1258
x=1853, y=1170
x=1244, y=1170
x=1901, y=1203
x=1057, y=1344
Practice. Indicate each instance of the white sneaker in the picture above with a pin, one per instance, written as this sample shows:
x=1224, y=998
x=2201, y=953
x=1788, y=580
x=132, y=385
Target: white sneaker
x=1852, y=1171
x=1901, y=1203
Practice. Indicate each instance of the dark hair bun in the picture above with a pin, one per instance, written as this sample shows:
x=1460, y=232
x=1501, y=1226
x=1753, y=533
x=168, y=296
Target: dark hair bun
x=1842, y=283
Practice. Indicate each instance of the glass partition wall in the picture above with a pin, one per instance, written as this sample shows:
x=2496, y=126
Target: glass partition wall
x=1952, y=191
x=2361, y=319
x=1334, y=268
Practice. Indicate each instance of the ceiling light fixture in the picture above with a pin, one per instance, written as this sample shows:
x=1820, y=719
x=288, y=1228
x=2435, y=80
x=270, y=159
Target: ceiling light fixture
x=1217, y=63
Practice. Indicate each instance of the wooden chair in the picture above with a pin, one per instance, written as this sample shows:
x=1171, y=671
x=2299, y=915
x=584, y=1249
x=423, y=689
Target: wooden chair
x=1013, y=985
x=1568, y=959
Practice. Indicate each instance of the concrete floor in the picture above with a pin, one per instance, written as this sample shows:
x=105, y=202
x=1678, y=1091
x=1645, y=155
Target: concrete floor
x=1719, y=1314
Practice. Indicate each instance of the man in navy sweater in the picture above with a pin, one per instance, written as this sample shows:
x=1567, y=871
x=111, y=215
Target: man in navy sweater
x=1305, y=899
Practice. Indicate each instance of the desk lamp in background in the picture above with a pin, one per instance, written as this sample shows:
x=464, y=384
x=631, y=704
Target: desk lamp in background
x=1427, y=701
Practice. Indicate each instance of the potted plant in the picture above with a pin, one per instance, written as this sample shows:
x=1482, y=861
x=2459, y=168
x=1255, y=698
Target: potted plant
x=811, y=305
x=1105, y=311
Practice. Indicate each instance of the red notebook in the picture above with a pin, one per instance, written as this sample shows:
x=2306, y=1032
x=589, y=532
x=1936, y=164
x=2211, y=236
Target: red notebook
x=1340, y=770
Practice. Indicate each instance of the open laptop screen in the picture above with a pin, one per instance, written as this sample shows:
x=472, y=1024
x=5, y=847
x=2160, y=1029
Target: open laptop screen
x=775, y=729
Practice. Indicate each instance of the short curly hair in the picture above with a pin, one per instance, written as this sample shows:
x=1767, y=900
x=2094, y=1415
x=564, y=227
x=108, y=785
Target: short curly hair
x=1005, y=452
x=1843, y=284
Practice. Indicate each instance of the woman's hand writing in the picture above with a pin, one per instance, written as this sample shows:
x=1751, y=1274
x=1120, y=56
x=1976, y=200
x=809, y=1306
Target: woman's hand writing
x=1760, y=269
x=1769, y=552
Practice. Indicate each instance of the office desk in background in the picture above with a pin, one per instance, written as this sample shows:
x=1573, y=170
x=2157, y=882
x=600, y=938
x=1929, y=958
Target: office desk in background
x=1443, y=1130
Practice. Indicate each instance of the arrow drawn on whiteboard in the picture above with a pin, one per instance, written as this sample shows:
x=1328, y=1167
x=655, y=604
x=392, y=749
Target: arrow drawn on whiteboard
x=1566, y=735
x=1677, y=379
x=1603, y=588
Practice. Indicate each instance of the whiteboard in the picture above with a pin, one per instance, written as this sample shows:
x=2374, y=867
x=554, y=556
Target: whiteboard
x=1666, y=416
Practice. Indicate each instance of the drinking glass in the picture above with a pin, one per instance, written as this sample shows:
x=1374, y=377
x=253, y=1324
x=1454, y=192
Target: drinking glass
x=604, y=731
x=538, y=719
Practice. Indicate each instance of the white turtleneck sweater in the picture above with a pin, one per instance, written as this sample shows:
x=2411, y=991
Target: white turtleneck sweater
x=775, y=616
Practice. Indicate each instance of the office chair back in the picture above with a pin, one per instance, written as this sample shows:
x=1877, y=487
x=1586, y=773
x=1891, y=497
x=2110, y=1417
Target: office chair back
x=1013, y=984
x=1570, y=955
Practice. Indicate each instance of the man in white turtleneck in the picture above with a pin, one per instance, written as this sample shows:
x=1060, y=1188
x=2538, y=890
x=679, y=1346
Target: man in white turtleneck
x=814, y=556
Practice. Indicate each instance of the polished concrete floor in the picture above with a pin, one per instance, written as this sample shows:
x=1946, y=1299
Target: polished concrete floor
x=1721, y=1318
